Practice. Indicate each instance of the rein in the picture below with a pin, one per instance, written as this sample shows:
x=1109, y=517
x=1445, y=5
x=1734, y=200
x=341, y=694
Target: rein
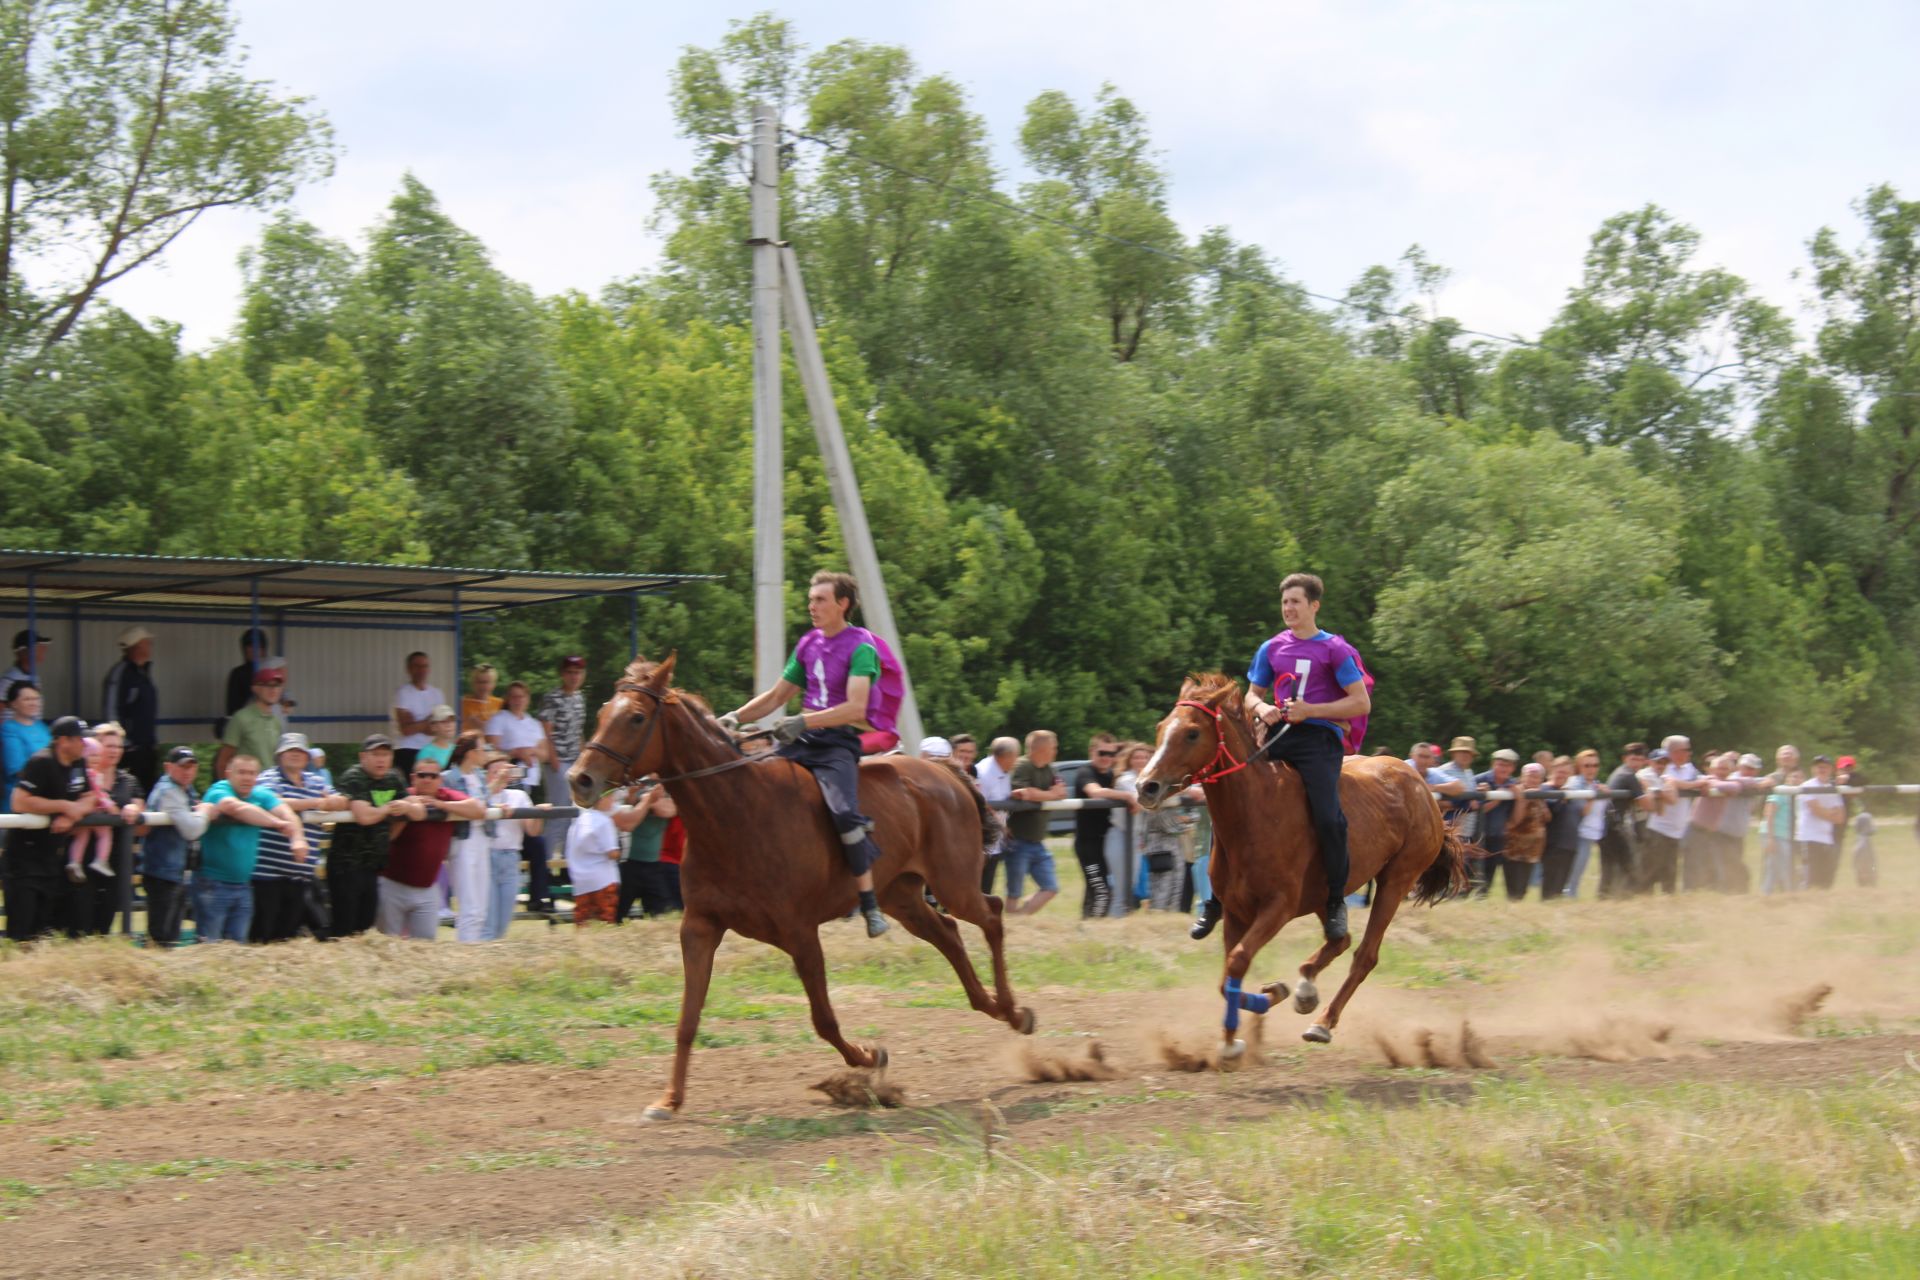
x=625, y=760
x=1212, y=772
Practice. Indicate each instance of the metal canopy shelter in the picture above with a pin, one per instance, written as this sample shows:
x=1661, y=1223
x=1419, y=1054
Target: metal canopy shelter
x=64, y=579
x=93, y=591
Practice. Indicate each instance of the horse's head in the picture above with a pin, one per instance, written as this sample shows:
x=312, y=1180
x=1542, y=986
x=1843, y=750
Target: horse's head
x=1190, y=745
x=626, y=743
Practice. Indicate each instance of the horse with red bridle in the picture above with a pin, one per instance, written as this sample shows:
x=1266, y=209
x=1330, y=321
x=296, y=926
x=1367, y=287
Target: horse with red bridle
x=764, y=860
x=1266, y=867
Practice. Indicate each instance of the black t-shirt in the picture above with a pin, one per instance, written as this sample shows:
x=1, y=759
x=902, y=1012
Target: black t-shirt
x=1090, y=825
x=1624, y=779
x=43, y=851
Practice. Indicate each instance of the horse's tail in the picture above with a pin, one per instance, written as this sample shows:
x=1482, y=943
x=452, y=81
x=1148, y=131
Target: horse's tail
x=1446, y=877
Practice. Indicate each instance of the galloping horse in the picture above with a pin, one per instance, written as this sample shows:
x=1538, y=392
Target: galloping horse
x=764, y=860
x=1266, y=863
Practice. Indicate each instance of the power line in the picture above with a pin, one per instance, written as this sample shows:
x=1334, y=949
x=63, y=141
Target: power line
x=1204, y=268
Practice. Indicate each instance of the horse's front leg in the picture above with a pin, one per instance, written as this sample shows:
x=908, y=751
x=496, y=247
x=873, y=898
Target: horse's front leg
x=1242, y=946
x=808, y=961
x=699, y=939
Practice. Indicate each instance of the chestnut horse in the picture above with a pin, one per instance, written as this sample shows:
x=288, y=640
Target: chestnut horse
x=763, y=858
x=1266, y=861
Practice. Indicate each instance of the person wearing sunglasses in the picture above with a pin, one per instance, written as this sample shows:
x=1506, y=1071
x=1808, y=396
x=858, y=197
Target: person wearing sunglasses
x=255, y=729
x=426, y=823
x=1090, y=825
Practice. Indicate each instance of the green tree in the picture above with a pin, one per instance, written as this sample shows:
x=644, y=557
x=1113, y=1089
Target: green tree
x=122, y=122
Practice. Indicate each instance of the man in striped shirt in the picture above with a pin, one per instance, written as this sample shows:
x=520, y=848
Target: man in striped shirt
x=281, y=876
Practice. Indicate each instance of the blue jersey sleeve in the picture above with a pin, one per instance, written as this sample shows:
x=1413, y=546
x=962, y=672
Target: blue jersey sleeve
x=1349, y=673
x=1261, y=672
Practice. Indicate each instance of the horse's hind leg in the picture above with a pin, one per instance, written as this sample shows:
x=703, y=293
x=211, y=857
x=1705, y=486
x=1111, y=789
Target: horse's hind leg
x=699, y=939
x=906, y=904
x=1390, y=890
x=804, y=946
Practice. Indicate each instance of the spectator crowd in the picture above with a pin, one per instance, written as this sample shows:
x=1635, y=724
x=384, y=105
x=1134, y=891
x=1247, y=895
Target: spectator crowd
x=263, y=842
x=410, y=850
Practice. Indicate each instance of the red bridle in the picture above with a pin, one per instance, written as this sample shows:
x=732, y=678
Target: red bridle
x=1213, y=773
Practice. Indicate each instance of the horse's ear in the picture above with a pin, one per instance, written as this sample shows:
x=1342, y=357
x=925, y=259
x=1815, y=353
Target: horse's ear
x=663, y=674
x=1230, y=700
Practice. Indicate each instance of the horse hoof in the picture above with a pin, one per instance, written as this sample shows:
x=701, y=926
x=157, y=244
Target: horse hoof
x=879, y=1053
x=1317, y=1034
x=1275, y=991
x=1306, y=997
x=1025, y=1022
x=1232, y=1049
x=656, y=1113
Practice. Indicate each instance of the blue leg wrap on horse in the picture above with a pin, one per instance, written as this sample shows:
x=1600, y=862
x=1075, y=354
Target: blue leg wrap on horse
x=1233, y=1004
x=1255, y=1002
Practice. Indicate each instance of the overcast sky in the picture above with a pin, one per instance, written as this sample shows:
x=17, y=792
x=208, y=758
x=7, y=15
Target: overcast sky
x=1496, y=134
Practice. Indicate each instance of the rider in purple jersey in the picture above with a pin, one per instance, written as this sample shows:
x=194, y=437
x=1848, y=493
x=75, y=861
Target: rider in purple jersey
x=1326, y=687
x=834, y=668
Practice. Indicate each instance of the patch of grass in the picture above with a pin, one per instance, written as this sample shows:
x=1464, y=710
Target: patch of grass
x=1521, y=1178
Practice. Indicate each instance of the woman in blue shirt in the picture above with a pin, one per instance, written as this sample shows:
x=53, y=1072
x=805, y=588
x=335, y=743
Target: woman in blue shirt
x=22, y=734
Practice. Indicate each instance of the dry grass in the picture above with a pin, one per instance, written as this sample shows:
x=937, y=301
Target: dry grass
x=1525, y=1178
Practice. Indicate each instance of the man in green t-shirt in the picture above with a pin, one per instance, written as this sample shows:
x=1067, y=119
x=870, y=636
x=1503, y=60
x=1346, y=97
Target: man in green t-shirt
x=255, y=729
x=238, y=809
x=375, y=793
x=1033, y=779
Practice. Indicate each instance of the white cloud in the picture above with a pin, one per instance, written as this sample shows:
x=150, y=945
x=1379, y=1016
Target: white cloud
x=1497, y=135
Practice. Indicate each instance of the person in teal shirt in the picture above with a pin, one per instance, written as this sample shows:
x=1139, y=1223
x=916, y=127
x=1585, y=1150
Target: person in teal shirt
x=22, y=734
x=223, y=886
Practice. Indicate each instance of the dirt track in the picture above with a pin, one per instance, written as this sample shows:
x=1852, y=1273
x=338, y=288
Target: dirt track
x=517, y=1151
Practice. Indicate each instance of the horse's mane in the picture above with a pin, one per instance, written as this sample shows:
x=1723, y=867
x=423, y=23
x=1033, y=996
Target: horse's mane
x=641, y=671
x=1206, y=686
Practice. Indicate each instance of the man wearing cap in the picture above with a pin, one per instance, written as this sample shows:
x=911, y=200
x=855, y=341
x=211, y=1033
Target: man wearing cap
x=1819, y=818
x=1494, y=816
x=564, y=712
x=1459, y=807
x=29, y=651
x=255, y=728
x=1679, y=786
x=1424, y=760
x=132, y=702
x=281, y=876
x=53, y=783
x=163, y=854
x=371, y=788
x=935, y=748
x=253, y=648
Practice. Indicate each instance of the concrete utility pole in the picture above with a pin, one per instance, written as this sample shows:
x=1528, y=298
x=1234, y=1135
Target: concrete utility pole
x=769, y=505
x=862, y=559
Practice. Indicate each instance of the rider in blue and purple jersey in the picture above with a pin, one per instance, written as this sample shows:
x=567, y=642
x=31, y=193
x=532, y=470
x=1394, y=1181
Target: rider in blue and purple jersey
x=835, y=668
x=1326, y=687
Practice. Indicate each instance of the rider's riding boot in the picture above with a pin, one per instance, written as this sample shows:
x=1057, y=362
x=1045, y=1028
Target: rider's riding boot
x=1209, y=917
x=1336, y=919
x=870, y=908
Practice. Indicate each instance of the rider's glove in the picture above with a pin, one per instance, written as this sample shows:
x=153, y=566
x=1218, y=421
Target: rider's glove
x=731, y=723
x=790, y=729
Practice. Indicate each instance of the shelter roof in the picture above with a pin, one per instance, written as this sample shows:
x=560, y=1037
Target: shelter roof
x=68, y=579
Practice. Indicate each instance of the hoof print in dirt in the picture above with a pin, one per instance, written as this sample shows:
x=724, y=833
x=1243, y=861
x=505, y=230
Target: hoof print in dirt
x=1044, y=1067
x=861, y=1089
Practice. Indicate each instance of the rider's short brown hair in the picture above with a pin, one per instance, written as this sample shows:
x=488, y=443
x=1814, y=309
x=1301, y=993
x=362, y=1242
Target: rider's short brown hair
x=1307, y=582
x=844, y=588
